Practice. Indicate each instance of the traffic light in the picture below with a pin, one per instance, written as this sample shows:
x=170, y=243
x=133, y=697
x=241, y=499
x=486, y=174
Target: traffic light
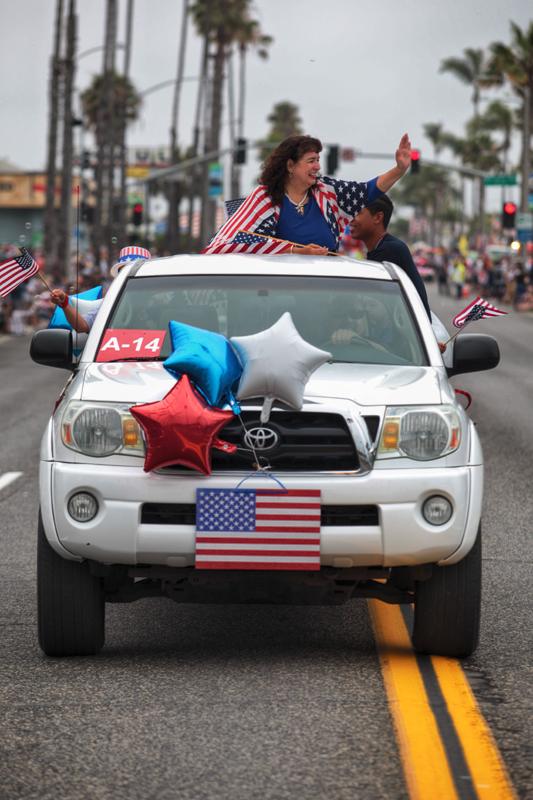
x=240, y=151
x=87, y=213
x=86, y=159
x=415, y=161
x=137, y=216
x=332, y=159
x=508, y=215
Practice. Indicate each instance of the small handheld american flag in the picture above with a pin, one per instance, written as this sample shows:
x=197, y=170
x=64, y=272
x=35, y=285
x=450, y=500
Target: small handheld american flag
x=16, y=270
x=268, y=529
x=247, y=242
x=477, y=309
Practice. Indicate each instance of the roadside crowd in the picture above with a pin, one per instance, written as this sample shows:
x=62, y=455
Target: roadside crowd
x=29, y=307
x=508, y=281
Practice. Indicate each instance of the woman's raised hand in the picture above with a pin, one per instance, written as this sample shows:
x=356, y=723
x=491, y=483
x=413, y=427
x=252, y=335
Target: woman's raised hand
x=309, y=250
x=403, y=153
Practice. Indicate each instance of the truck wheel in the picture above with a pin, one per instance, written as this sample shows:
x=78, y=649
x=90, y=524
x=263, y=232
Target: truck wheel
x=447, y=607
x=70, y=604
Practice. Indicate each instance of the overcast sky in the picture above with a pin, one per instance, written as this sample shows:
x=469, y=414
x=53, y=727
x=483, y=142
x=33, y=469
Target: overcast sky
x=361, y=73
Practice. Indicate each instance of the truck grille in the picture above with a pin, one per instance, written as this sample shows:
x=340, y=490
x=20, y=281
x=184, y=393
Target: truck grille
x=291, y=441
x=185, y=514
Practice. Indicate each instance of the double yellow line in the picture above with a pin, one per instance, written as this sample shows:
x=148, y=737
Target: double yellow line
x=447, y=749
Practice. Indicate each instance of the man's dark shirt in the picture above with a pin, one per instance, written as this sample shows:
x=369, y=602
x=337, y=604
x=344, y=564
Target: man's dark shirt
x=392, y=249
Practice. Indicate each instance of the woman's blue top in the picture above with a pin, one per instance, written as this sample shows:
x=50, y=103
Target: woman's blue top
x=307, y=228
x=311, y=227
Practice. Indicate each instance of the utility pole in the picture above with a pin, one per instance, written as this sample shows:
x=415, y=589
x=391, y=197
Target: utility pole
x=50, y=226
x=65, y=211
x=123, y=203
x=174, y=187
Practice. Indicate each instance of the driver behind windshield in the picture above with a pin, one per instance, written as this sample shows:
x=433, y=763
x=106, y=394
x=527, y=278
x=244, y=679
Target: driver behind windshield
x=353, y=319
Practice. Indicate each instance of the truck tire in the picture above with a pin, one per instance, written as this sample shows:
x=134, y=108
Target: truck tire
x=70, y=604
x=447, y=608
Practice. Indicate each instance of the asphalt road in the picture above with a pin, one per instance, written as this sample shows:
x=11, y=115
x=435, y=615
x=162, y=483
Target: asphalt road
x=248, y=701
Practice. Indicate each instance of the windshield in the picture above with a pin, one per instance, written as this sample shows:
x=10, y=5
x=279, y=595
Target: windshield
x=357, y=320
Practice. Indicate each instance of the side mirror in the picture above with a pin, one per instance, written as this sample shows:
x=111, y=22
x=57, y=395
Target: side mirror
x=474, y=352
x=53, y=348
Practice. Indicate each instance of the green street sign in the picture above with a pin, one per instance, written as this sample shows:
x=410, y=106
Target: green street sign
x=500, y=180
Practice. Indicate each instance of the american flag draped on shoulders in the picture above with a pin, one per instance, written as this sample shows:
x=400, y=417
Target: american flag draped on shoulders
x=477, y=309
x=338, y=201
x=256, y=213
x=16, y=270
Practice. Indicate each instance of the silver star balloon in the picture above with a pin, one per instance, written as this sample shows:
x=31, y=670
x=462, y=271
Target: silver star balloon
x=277, y=363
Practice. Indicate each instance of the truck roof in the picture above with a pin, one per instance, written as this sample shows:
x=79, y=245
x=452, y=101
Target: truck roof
x=247, y=263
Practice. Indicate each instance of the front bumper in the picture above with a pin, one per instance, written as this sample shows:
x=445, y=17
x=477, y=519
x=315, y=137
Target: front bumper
x=401, y=538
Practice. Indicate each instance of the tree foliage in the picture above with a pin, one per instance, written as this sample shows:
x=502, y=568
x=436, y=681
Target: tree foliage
x=284, y=121
x=124, y=94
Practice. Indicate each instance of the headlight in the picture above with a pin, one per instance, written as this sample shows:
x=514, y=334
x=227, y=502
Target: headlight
x=419, y=432
x=100, y=429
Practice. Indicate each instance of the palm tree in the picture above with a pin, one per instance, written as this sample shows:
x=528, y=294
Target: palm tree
x=50, y=221
x=248, y=36
x=221, y=22
x=284, y=121
x=433, y=131
x=175, y=188
x=478, y=151
x=433, y=194
x=126, y=102
x=514, y=63
x=65, y=209
x=472, y=69
x=499, y=118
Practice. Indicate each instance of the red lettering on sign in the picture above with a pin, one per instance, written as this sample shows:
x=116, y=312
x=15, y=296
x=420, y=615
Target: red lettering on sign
x=119, y=344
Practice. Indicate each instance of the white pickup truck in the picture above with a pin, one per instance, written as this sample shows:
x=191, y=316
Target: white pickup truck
x=381, y=435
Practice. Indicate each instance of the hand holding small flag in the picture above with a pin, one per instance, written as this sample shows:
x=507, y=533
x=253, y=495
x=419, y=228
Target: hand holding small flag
x=16, y=270
x=477, y=309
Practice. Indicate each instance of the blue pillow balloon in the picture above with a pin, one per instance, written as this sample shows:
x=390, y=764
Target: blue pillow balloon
x=208, y=359
x=59, y=320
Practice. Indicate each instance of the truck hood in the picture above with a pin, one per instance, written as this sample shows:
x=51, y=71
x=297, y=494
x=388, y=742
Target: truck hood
x=377, y=385
x=364, y=384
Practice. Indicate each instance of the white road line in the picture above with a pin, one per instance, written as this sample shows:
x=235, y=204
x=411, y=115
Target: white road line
x=7, y=478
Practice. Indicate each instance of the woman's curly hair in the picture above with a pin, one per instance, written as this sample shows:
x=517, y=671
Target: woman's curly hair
x=274, y=172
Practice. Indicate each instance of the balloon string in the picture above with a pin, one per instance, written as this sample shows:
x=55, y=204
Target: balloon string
x=263, y=474
x=252, y=448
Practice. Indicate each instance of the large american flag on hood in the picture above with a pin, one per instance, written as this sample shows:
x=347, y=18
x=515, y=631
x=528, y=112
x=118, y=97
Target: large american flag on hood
x=339, y=201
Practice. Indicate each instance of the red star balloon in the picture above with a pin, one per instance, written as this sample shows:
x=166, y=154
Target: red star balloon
x=181, y=429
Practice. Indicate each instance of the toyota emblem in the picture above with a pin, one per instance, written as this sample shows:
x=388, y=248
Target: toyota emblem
x=261, y=439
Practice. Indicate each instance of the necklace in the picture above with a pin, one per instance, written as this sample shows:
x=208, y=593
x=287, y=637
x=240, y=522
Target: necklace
x=299, y=207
